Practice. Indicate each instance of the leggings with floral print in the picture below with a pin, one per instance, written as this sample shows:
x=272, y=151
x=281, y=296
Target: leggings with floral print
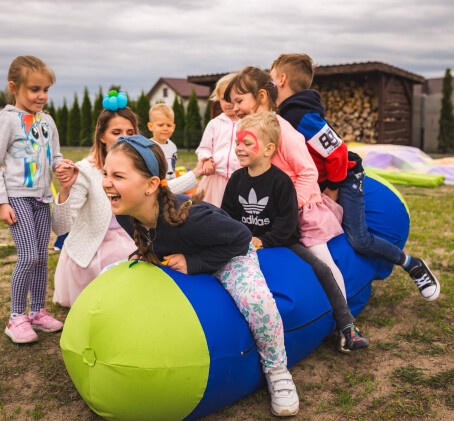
x=244, y=281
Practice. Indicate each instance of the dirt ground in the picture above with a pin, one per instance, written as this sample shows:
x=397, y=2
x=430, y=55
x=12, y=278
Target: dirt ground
x=406, y=374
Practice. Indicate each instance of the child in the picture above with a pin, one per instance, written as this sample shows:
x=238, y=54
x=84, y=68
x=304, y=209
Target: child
x=274, y=223
x=162, y=125
x=217, y=147
x=318, y=216
x=30, y=150
x=189, y=238
x=340, y=172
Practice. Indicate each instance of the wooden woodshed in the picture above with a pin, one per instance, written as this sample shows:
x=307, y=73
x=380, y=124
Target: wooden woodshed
x=366, y=102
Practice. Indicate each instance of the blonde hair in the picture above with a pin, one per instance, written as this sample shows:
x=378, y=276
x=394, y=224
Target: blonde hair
x=98, y=151
x=221, y=84
x=299, y=69
x=172, y=215
x=162, y=109
x=21, y=66
x=266, y=123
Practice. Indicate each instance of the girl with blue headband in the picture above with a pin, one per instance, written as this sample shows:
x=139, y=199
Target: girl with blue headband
x=95, y=238
x=197, y=238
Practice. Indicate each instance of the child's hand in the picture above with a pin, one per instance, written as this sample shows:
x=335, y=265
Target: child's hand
x=257, y=242
x=198, y=170
x=7, y=214
x=67, y=174
x=332, y=194
x=209, y=167
x=177, y=262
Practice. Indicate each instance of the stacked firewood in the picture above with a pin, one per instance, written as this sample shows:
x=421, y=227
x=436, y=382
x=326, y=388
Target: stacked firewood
x=351, y=109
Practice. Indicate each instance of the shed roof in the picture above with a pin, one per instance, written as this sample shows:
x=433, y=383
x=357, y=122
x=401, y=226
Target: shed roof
x=182, y=87
x=352, y=68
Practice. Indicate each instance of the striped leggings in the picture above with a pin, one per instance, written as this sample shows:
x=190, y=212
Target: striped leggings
x=31, y=235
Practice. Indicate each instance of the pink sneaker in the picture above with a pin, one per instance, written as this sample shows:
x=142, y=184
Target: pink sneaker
x=45, y=322
x=20, y=330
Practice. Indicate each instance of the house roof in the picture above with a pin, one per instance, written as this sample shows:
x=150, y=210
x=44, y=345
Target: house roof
x=351, y=68
x=182, y=87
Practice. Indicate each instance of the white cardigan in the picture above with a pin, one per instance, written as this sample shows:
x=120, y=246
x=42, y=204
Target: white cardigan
x=86, y=214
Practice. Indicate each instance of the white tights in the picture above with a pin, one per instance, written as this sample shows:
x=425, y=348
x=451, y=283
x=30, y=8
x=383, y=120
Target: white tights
x=323, y=253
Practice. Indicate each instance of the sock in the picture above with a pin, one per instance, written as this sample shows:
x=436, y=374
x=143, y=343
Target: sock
x=412, y=262
x=349, y=326
x=33, y=313
x=14, y=315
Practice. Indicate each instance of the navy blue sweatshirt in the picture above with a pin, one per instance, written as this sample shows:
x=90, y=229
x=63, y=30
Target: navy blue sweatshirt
x=208, y=239
x=305, y=112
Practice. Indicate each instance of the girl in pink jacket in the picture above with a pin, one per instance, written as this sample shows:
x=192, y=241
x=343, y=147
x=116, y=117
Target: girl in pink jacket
x=217, y=147
x=319, y=217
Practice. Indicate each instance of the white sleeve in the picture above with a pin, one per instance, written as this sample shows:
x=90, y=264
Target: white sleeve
x=184, y=183
x=64, y=214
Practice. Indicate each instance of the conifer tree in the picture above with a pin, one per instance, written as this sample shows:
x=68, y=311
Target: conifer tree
x=62, y=123
x=97, y=108
x=74, y=123
x=178, y=110
x=193, y=123
x=50, y=108
x=86, y=115
x=142, y=108
x=446, y=121
x=207, y=115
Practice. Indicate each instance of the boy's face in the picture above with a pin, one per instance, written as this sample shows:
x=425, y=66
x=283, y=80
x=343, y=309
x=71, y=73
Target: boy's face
x=162, y=127
x=252, y=150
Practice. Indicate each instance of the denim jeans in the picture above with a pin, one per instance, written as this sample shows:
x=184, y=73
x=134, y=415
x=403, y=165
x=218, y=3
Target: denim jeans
x=351, y=198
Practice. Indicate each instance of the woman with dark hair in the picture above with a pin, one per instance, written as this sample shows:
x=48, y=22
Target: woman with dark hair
x=81, y=208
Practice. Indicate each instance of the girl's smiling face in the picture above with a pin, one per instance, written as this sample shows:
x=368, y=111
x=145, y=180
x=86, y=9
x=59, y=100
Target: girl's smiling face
x=117, y=127
x=226, y=107
x=32, y=95
x=243, y=104
x=125, y=187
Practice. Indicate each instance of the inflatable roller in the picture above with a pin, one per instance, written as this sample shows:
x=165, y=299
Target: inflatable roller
x=150, y=343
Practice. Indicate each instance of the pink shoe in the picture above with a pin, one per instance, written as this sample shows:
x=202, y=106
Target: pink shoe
x=45, y=322
x=20, y=330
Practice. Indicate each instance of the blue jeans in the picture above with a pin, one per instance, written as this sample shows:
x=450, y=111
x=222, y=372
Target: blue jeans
x=351, y=198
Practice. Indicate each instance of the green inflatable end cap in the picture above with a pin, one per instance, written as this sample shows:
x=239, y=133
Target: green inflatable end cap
x=134, y=347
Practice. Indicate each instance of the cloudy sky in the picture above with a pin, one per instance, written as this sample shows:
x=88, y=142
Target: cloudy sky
x=134, y=42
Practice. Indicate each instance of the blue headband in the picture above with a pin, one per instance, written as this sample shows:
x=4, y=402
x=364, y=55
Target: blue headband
x=142, y=145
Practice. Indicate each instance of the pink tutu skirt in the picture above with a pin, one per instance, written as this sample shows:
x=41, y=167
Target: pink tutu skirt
x=319, y=222
x=213, y=187
x=70, y=279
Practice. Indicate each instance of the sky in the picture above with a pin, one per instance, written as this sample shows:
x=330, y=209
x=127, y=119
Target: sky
x=132, y=43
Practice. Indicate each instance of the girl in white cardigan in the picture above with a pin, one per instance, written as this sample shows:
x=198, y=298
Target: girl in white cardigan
x=95, y=238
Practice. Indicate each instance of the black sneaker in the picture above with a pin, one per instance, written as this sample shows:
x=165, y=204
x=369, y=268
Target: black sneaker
x=352, y=340
x=425, y=280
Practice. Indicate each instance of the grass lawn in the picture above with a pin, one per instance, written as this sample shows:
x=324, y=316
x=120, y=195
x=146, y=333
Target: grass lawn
x=406, y=374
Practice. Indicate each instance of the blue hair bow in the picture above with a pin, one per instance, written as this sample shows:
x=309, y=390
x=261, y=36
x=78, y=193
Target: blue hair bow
x=142, y=145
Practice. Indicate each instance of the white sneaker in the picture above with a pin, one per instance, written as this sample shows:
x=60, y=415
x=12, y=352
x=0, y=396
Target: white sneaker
x=284, y=398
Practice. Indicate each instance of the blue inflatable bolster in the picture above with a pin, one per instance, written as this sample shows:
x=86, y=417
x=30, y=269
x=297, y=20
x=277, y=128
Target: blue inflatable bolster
x=234, y=366
x=304, y=307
